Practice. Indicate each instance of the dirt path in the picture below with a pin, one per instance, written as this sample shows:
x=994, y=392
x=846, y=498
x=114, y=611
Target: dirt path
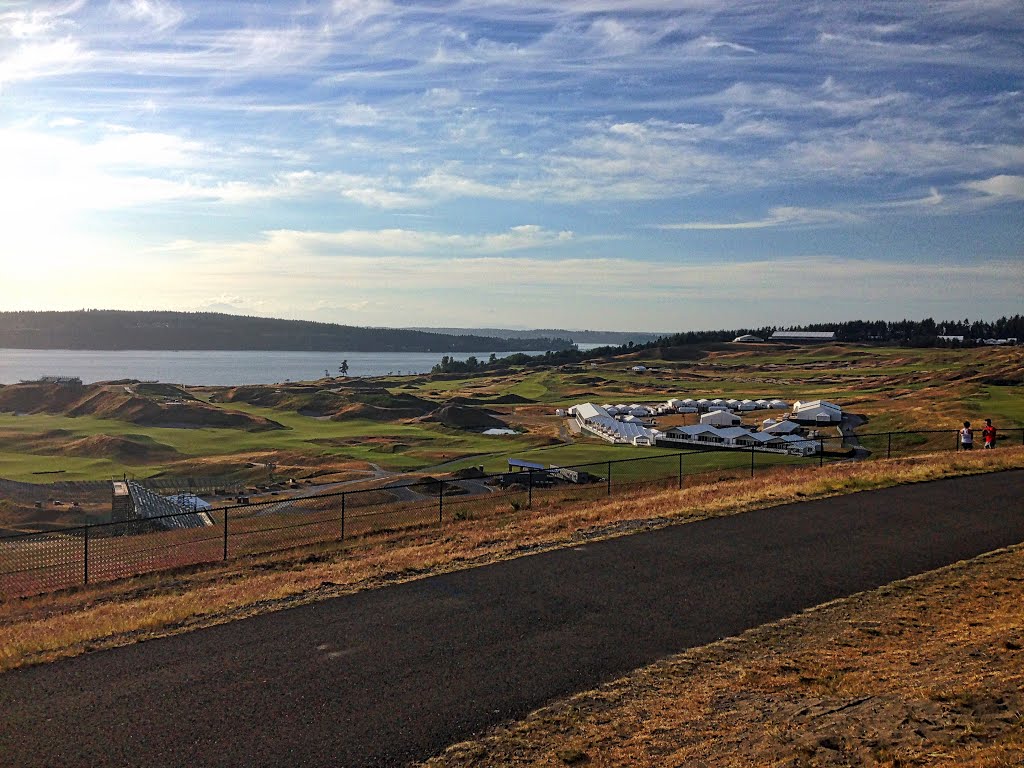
x=395, y=675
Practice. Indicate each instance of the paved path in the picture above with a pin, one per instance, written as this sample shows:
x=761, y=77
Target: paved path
x=384, y=677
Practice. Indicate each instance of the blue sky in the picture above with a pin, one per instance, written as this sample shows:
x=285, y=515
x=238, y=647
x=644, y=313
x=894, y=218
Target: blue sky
x=607, y=164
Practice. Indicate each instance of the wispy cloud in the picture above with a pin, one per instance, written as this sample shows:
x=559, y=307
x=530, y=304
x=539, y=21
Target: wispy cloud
x=326, y=127
x=1001, y=188
x=783, y=216
x=157, y=14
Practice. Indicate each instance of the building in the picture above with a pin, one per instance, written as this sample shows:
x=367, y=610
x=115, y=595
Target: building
x=720, y=419
x=785, y=427
x=735, y=438
x=638, y=368
x=747, y=338
x=816, y=412
x=804, y=337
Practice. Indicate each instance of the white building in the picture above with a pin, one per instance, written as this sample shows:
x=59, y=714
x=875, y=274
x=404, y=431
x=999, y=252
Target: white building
x=816, y=412
x=638, y=368
x=804, y=337
x=785, y=427
x=720, y=419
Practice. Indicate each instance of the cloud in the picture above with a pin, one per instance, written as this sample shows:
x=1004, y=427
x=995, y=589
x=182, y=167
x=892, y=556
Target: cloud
x=1002, y=188
x=33, y=61
x=783, y=216
x=711, y=43
x=405, y=241
x=353, y=114
x=64, y=122
x=156, y=14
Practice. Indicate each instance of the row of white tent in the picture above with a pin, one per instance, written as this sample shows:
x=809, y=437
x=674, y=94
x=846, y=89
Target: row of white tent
x=777, y=437
x=739, y=437
x=691, y=405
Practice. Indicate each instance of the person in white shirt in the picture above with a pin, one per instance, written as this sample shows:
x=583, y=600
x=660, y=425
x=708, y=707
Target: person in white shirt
x=967, y=437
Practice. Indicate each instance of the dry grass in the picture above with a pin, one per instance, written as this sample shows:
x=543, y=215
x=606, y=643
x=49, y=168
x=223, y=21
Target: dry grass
x=928, y=671
x=47, y=627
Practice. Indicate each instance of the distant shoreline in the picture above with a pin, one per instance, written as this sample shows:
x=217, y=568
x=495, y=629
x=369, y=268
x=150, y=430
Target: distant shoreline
x=224, y=368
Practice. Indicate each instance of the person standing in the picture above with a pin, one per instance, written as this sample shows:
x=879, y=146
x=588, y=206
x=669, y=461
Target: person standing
x=967, y=437
x=989, y=433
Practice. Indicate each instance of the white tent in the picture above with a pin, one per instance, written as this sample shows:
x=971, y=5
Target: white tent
x=786, y=427
x=720, y=419
x=817, y=412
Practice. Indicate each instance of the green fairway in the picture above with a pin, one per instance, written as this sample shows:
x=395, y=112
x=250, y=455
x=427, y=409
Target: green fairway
x=1004, y=405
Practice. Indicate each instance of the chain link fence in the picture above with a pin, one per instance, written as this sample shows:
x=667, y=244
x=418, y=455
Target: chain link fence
x=32, y=563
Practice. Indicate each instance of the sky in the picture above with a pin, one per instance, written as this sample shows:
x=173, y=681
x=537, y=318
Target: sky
x=603, y=164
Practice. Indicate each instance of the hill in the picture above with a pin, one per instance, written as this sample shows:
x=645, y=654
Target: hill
x=126, y=402
x=114, y=329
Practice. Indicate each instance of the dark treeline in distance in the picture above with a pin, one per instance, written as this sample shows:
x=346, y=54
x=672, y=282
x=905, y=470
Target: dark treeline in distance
x=906, y=333
x=613, y=338
x=923, y=333
x=115, y=330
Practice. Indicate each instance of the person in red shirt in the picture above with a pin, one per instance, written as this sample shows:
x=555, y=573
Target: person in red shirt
x=989, y=433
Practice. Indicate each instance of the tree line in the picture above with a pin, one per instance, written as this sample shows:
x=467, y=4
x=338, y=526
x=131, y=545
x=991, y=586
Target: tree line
x=906, y=333
x=157, y=330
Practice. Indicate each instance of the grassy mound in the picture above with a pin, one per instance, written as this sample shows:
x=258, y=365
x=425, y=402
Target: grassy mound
x=463, y=417
x=130, y=449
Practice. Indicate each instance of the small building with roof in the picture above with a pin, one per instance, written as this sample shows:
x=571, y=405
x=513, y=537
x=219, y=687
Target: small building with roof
x=803, y=337
x=720, y=419
x=816, y=412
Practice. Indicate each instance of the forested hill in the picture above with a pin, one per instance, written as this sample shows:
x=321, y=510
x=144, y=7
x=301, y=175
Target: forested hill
x=110, y=330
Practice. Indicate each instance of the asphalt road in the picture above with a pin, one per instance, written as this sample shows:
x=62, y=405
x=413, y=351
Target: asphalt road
x=393, y=675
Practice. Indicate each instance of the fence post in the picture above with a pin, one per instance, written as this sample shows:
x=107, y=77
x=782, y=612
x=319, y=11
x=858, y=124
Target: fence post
x=609, y=478
x=821, y=451
x=680, y=470
x=529, y=491
x=343, y=494
x=440, y=502
x=888, y=449
x=85, y=553
x=225, y=533
x=956, y=440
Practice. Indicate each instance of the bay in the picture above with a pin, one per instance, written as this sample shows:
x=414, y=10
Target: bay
x=215, y=368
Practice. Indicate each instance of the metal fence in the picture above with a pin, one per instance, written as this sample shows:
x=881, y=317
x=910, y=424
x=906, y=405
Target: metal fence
x=31, y=563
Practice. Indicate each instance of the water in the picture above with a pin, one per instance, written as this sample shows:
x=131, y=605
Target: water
x=215, y=368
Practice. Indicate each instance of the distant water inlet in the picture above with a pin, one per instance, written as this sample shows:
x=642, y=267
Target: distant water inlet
x=215, y=368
